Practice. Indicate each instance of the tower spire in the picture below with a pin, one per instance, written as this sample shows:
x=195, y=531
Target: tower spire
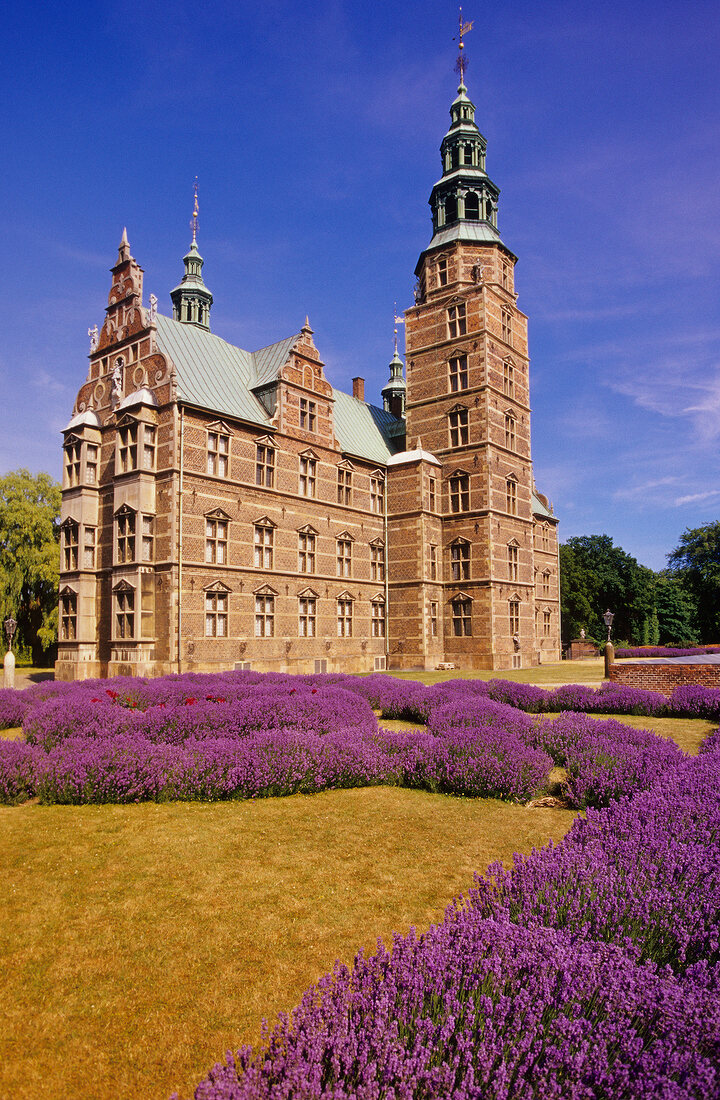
x=196, y=211
x=393, y=394
x=462, y=62
x=191, y=299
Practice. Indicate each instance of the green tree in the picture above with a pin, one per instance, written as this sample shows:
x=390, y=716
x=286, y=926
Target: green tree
x=695, y=562
x=596, y=576
x=29, y=557
x=676, y=610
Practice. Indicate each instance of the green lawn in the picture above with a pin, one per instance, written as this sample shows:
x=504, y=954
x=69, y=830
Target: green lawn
x=590, y=671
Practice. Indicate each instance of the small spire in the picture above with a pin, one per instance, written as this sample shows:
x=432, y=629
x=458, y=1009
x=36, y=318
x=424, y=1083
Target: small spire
x=397, y=321
x=306, y=327
x=124, y=249
x=196, y=211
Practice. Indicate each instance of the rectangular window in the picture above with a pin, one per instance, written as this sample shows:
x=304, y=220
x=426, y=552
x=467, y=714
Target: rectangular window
x=545, y=586
x=546, y=624
x=510, y=432
x=433, y=563
x=147, y=538
x=125, y=614
x=70, y=546
x=264, y=466
x=306, y=625
x=126, y=537
x=344, y=558
x=509, y=379
x=264, y=539
x=149, y=437
x=442, y=271
x=378, y=619
x=456, y=321
x=308, y=414
x=72, y=464
x=458, y=423
x=506, y=323
x=344, y=618
x=216, y=541
x=511, y=496
x=505, y=275
x=89, y=537
x=460, y=493
x=264, y=616
x=127, y=448
x=432, y=494
x=344, y=486
x=91, y=461
x=462, y=618
x=433, y=620
x=514, y=610
x=306, y=552
x=216, y=605
x=377, y=495
x=460, y=561
x=377, y=563
x=513, y=559
x=308, y=477
x=218, y=454
x=458, y=373
x=68, y=617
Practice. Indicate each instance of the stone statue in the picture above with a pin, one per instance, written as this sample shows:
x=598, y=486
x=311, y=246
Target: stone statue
x=117, y=378
x=582, y=632
x=152, y=316
x=94, y=338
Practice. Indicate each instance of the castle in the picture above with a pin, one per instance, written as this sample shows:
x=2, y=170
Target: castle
x=231, y=509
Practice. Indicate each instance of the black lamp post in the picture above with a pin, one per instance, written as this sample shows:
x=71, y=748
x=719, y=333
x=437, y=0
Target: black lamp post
x=609, y=650
x=608, y=620
x=10, y=628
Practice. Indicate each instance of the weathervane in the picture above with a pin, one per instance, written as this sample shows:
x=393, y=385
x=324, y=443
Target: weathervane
x=196, y=211
x=462, y=62
x=398, y=321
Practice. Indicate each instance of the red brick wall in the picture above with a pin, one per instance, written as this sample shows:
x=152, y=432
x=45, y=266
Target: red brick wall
x=664, y=678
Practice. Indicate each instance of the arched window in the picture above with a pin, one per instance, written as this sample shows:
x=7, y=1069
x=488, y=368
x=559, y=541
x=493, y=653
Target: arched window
x=472, y=207
x=450, y=209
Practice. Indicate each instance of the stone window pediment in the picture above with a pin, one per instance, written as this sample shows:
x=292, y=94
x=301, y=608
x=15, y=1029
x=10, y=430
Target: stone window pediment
x=264, y=522
x=345, y=464
x=459, y=473
x=378, y=544
x=70, y=440
x=126, y=421
x=377, y=598
x=220, y=427
x=125, y=510
x=514, y=542
x=308, y=594
x=68, y=591
x=307, y=530
x=460, y=542
x=309, y=453
x=345, y=595
x=123, y=586
x=216, y=586
x=265, y=590
x=460, y=596
x=379, y=474
x=217, y=513
x=345, y=536
x=265, y=441
x=514, y=598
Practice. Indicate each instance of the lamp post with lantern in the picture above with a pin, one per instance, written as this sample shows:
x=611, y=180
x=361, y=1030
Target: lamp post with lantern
x=609, y=648
x=10, y=626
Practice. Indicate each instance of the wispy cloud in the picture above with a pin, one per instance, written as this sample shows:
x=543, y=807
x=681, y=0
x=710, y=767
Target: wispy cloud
x=693, y=498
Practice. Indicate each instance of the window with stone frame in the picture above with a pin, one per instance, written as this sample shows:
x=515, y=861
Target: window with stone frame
x=71, y=538
x=460, y=560
x=308, y=476
x=308, y=414
x=511, y=495
x=462, y=617
x=514, y=617
x=264, y=616
x=433, y=620
x=433, y=558
x=307, y=611
x=458, y=427
x=218, y=453
x=509, y=378
x=513, y=559
x=127, y=447
x=148, y=538
x=377, y=618
x=264, y=546
x=91, y=463
x=460, y=493
x=344, y=486
x=456, y=321
x=432, y=494
x=216, y=614
x=377, y=561
x=148, y=451
x=216, y=539
x=125, y=612
x=442, y=271
x=68, y=615
x=547, y=624
x=510, y=431
x=264, y=466
x=73, y=458
x=307, y=544
x=89, y=542
x=458, y=367
x=506, y=325
x=344, y=618
x=377, y=494
x=505, y=272
x=344, y=557
x=125, y=533
x=545, y=583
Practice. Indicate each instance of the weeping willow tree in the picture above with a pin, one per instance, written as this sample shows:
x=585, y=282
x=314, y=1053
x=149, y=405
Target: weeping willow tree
x=30, y=559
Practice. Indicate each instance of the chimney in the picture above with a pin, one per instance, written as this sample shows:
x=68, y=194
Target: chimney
x=359, y=388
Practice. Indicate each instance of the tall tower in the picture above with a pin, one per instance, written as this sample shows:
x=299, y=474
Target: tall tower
x=191, y=299
x=468, y=400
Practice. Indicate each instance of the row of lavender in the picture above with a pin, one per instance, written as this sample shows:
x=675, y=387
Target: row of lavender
x=244, y=735
x=592, y=969
x=666, y=651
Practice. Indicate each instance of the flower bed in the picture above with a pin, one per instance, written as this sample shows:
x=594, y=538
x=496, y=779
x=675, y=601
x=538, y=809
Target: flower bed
x=666, y=651
x=590, y=969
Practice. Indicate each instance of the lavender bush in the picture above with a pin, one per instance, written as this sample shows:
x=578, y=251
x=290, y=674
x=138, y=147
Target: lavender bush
x=666, y=651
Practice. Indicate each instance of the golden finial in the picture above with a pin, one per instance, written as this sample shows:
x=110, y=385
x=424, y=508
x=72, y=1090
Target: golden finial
x=196, y=211
x=461, y=63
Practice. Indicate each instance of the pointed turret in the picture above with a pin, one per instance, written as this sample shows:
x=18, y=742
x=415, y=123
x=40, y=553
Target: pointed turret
x=393, y=394
x=191, y=299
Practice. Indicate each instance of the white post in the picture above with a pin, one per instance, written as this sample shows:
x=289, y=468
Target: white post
x=9, y=666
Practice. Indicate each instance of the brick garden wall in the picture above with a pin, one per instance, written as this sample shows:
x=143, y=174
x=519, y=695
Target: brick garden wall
x=663, y=677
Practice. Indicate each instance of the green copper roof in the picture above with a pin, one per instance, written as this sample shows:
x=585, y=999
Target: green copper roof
x=212, y=374
x=539, y=509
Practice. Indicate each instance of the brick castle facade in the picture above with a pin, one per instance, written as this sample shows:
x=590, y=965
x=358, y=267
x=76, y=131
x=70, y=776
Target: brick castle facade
x=226, y=509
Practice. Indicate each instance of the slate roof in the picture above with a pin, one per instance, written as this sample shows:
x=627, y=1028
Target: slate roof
x=212, y=374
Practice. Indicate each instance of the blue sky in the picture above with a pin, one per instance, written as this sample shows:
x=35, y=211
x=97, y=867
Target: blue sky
x=314, y=130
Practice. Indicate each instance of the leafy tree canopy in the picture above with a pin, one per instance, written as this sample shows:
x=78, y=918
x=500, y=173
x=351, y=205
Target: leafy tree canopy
x=29, y=557
x=695, y=562
x=596, y=576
